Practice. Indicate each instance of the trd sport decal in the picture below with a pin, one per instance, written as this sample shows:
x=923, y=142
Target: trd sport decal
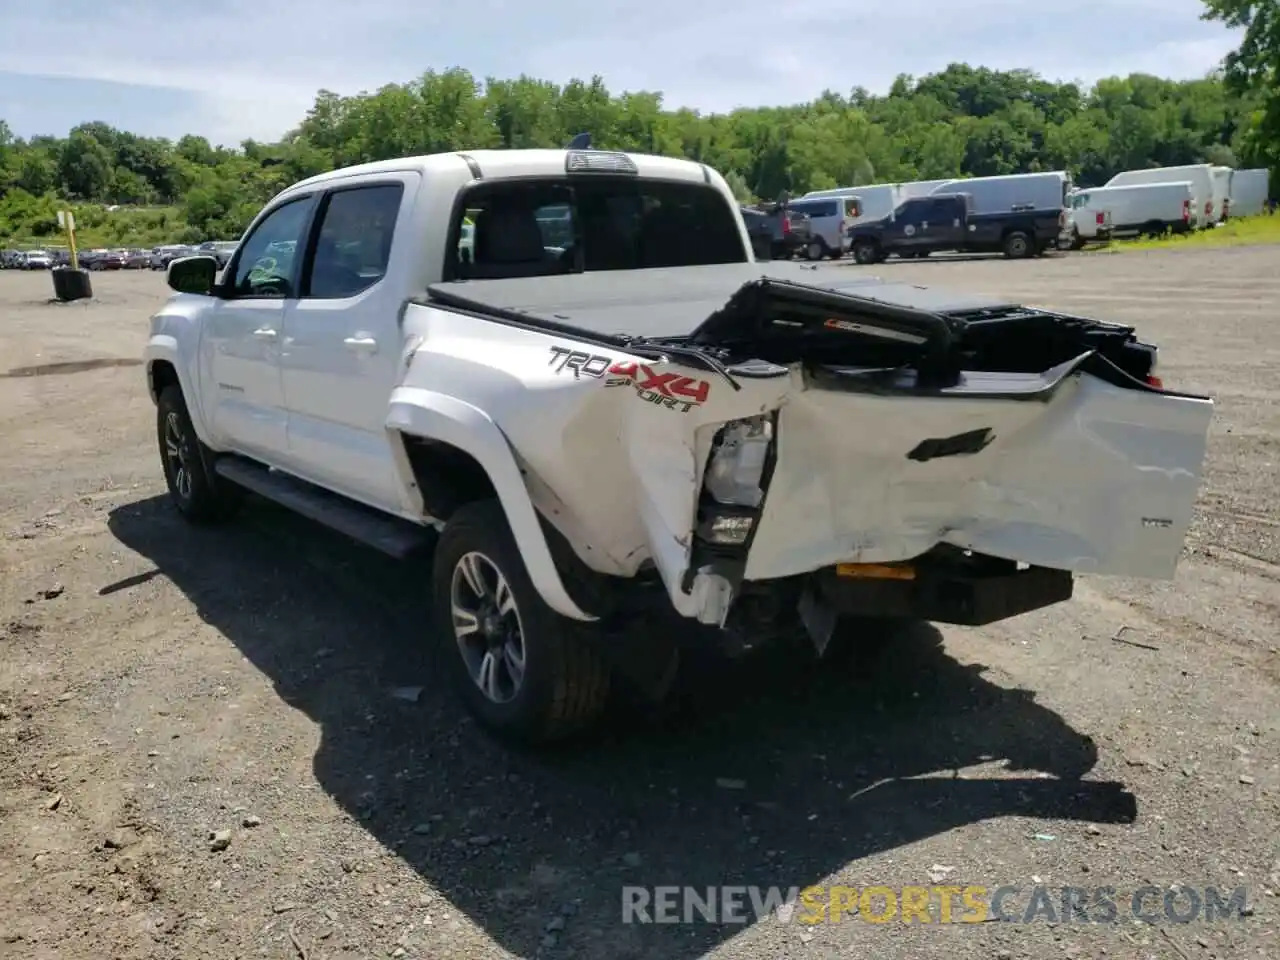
x=671, y=390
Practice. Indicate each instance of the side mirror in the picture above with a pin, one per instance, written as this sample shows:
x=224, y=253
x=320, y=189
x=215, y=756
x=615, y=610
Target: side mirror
x=193, y=274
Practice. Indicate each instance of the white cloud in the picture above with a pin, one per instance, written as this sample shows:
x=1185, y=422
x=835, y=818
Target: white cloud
x=256, y=67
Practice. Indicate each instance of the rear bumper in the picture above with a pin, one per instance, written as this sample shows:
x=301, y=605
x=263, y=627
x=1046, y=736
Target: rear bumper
x=942, y=596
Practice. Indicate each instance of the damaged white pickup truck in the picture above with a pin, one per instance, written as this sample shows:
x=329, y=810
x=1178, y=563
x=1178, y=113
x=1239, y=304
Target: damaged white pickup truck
x=569, y=366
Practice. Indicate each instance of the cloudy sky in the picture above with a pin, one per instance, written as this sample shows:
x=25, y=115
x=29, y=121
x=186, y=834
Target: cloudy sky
x=232, y=69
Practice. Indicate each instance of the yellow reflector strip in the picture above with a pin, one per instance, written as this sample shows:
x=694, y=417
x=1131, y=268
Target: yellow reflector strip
x=875, y=571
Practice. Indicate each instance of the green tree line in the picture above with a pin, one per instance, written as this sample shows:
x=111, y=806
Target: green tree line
x=962, y=121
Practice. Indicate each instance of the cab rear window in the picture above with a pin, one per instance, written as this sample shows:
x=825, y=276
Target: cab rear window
x=531, y=228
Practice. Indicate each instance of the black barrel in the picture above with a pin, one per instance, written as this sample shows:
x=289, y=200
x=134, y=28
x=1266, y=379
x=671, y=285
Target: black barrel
x=71, y=284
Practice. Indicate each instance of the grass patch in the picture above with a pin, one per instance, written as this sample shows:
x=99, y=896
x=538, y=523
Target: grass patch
x=1240, y=232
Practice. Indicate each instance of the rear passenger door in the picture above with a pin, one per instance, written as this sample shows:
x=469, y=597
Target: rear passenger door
x=342, y=342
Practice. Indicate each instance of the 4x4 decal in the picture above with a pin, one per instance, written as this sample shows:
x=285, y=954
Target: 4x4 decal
x=671, y=390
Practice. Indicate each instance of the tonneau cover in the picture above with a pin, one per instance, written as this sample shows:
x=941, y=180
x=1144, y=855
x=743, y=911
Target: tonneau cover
x=673, y=301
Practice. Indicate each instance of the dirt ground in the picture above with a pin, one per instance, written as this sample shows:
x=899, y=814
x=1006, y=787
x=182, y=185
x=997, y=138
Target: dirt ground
x=159, y=683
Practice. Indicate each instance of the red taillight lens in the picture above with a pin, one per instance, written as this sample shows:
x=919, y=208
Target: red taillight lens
x=786, y=225
x=1186, y=209
x=1155, y=381
x=1100, y=219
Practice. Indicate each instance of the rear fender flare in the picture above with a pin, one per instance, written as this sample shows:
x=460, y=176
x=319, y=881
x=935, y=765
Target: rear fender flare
x=423, y=413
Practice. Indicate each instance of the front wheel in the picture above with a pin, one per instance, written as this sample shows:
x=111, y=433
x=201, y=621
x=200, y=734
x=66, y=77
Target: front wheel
x=525, y=672
x=200, y=496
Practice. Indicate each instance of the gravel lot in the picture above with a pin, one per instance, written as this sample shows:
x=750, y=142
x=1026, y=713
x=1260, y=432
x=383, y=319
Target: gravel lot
x=159, y=683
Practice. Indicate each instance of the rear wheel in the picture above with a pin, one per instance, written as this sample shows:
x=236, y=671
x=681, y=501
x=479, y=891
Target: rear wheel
x=816, y=250
x=1017, y=245
x=522, y=670
x=866, y=252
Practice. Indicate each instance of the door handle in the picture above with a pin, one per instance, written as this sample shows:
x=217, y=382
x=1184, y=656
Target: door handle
x=265, y=333
x=362, y=343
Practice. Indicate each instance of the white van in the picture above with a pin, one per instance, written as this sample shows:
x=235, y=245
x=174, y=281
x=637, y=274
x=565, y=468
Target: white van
x=829, y=221
x=875, y=200
x=1143, y=208
x=1015, y=192
x=1249, y=191
x=1205, y=213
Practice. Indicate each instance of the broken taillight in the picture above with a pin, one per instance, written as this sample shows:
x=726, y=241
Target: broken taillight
x=1186, y=210
x=1155, y=381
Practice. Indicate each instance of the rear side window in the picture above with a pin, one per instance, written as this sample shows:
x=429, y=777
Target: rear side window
x=852, y=207
x=354, y=244
x=573, y=225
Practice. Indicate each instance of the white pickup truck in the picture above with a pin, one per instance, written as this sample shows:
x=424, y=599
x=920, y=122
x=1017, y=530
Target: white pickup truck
x=601, y=409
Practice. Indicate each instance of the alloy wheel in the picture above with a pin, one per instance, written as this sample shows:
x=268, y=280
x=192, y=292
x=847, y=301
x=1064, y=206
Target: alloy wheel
x=486, y=624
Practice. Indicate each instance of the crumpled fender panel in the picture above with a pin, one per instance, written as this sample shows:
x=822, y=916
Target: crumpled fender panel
x=612, y=445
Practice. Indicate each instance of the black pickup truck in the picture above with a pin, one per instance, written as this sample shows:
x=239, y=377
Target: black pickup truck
x=776, y=232
x=922, y=225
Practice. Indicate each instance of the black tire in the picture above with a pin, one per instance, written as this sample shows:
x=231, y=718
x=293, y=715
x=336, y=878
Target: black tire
x=565, y=681
x=866, y=252
x=201, y=497
x=815, y=249
x=1017, y=245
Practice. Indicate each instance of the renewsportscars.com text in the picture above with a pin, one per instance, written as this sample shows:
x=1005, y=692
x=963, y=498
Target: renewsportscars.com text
x=942, y=904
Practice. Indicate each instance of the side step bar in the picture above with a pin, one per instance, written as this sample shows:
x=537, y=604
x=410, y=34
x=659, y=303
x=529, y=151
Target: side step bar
x=391, y=535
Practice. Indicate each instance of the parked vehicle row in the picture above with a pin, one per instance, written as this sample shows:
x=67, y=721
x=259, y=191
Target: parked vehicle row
x=1027, y=214
x=27, y=260
x=101, y=258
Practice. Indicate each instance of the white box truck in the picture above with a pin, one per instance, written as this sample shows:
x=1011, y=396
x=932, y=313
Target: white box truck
x=920, y=188
x=1204, y=212
x=1250, y=190
x=1016, y=192
x=1143, y=208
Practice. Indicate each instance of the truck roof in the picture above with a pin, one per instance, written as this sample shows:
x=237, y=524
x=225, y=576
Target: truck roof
x=505, y=164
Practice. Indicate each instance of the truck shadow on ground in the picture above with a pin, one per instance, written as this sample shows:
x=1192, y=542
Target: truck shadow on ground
x=776, y=771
